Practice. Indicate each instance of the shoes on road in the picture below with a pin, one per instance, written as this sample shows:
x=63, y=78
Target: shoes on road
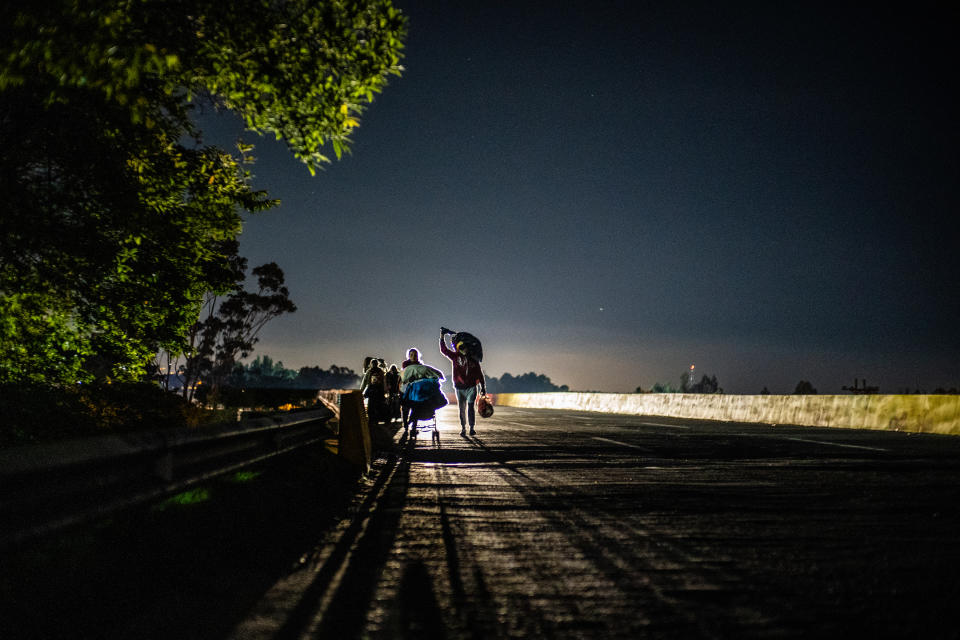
x=473, y=432
x=463, y=432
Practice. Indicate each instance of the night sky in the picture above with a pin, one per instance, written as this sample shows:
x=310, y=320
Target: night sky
x=609, y=192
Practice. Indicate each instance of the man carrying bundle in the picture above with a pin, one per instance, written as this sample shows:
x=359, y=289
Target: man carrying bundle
x=465, y=352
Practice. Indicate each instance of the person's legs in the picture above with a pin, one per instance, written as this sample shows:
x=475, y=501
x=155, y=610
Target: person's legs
x=468, y=413
x=462, y=406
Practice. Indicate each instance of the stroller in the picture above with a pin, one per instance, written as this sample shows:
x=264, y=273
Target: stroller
x=423, y=398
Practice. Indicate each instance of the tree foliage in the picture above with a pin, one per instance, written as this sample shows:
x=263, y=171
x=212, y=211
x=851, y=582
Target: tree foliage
x=526, y=383
x=707, y=384
x=37, y=413
x=118, y=220
x=662, y=387
x=804, y=388
x=299, y=69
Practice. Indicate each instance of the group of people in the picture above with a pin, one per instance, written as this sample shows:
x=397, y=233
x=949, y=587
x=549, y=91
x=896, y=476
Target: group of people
x=381, y=387
x=403, y=392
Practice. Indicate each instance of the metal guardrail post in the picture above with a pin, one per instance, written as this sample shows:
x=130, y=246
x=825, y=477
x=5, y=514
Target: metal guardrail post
x=50, y=486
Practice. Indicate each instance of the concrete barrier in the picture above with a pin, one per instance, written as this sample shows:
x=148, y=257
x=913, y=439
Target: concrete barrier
x=917, y=413
x=355, y=445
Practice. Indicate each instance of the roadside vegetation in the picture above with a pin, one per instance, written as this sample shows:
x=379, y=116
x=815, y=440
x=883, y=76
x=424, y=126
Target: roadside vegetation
x=118, y=238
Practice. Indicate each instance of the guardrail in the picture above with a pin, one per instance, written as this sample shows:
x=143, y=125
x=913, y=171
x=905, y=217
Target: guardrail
x=47, y=487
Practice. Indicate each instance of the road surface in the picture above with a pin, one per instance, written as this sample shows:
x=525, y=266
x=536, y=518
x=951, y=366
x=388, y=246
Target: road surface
x=576, y=525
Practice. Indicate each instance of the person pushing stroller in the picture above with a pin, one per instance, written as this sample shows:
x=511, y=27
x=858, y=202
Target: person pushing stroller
x=421, y=394
x=465, y=355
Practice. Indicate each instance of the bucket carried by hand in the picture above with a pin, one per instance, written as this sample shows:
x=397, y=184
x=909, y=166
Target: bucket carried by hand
x=484, y=406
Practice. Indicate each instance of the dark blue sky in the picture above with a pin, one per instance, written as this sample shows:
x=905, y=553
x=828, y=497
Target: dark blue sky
x=608, y=192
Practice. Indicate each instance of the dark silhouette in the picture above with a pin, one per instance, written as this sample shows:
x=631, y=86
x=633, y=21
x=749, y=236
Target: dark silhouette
x=393, y=392
x=857, y=390
x=525, y=383
x=373, y=388
x=662, y=387
x=264, y=373
x=804, y=388
x=230, y=329
x=706, y=384
x=333, y=378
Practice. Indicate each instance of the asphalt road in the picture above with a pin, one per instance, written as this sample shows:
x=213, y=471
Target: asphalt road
x=552, y=524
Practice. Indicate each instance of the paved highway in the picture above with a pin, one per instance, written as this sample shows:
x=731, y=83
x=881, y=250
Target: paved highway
x=576, y=525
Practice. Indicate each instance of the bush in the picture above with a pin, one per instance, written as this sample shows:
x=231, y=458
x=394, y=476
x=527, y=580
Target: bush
x=38, y=413
x=261, y=398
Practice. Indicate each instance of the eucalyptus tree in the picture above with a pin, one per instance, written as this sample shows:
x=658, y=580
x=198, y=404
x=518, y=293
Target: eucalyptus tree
x=117, y=218
x=230, y=327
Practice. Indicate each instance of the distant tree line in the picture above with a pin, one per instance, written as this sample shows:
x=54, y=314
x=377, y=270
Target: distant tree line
x=803, y=387
x=688, y=384
x=264, y=373
x=525, y=383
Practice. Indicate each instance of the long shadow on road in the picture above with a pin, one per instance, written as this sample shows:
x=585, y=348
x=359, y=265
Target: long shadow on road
x=365, y=546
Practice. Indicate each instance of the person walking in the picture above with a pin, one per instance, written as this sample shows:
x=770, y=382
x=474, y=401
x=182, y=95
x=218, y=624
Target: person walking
x=393, y=392
x=467, y=376
x=372, y=387
x=413, y=371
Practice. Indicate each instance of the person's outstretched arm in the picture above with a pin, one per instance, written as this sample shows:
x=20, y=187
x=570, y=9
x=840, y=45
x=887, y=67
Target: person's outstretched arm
x=444, y=349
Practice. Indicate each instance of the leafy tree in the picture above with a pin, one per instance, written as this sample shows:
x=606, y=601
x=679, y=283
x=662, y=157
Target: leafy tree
x=804, y=388
x=117, y=219
x=107, y=242
x=706, y=384
x=299, y=69
x=709, y=385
